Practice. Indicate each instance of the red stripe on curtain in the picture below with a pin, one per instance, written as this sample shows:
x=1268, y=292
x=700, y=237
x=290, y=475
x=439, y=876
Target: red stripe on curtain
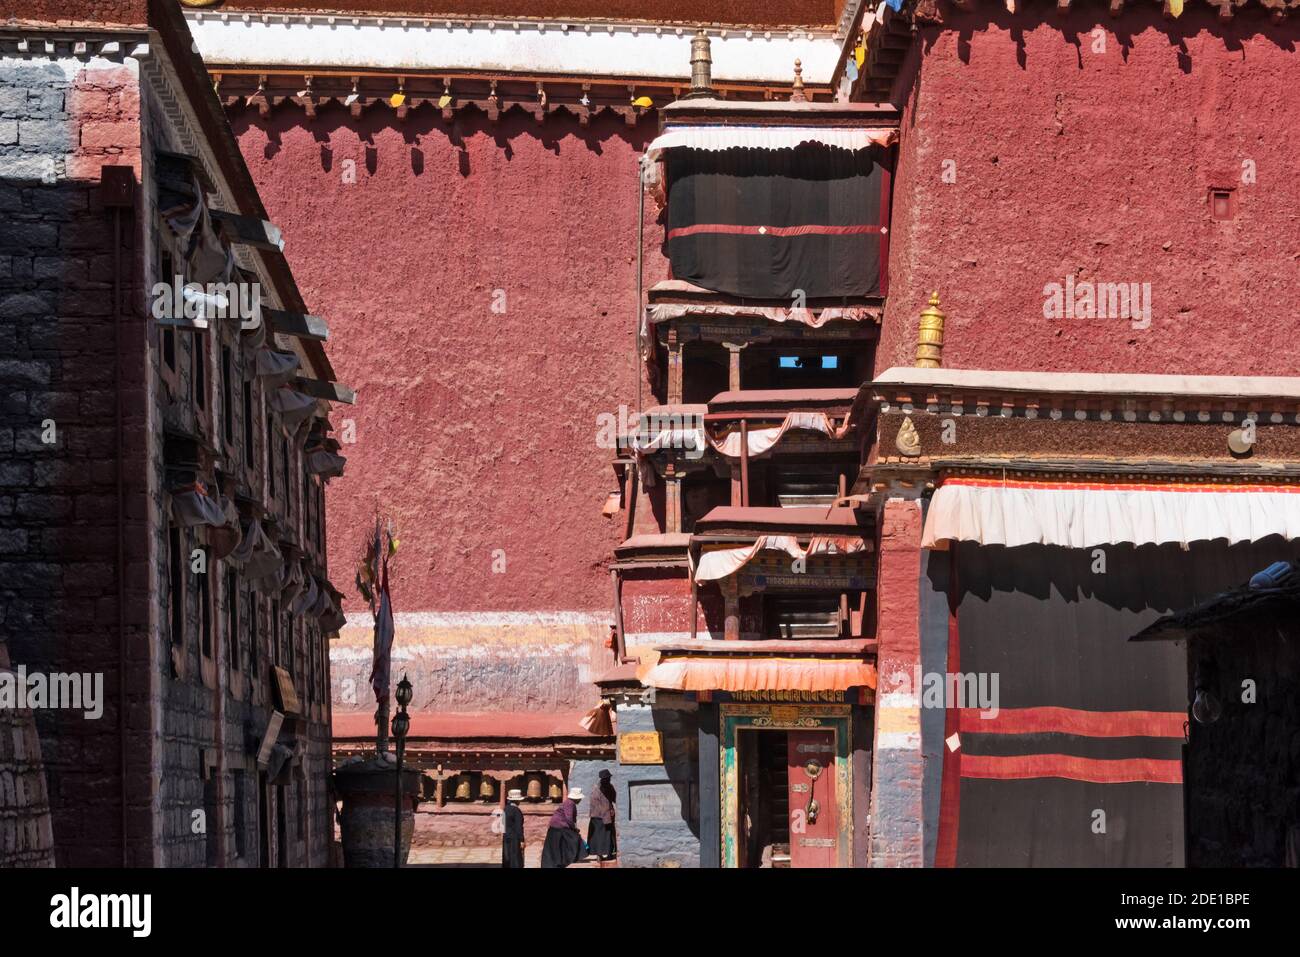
x=1008, y=768
x=1089, y=724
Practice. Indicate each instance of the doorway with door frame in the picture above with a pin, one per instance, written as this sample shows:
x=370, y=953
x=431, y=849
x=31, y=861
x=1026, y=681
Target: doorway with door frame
x=779, y=716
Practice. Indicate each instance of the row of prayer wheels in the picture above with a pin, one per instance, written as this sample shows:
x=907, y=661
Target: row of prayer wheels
x=537, y=785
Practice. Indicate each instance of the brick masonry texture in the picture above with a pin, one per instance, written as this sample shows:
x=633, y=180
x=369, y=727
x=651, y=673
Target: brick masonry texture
x=58, y=589
x=60, y=121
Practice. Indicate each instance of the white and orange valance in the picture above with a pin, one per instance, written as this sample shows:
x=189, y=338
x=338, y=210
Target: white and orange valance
x=724, y=562
x=785, y=672
x=759, y=440
x=995, y=511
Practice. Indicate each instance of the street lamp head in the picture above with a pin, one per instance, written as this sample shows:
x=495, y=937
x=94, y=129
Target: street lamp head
x=404, y=692
x=401, y=725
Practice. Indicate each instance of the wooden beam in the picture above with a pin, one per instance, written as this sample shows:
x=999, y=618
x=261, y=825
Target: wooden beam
x=324, y=389
x=296, y=324
x=248, y=231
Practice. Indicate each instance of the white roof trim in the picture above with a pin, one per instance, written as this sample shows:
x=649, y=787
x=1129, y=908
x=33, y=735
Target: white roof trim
x=509, y=46
x=1095, y=383
x=766, y=138
x=1018, y=514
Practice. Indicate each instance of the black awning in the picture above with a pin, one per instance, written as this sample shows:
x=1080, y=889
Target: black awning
x=763, y=224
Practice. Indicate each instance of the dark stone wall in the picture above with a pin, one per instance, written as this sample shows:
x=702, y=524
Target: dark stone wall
x=60, y=120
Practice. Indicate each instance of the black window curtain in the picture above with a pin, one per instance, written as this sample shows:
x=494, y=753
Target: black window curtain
x=761, y=224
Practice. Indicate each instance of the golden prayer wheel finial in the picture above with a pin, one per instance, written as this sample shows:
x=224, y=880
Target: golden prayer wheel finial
x=796, y=96
x=929, y=338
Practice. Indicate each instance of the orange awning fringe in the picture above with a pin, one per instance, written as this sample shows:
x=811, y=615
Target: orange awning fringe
x=758, y=674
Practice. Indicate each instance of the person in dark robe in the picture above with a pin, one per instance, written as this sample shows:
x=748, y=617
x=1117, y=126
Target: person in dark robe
x=600, y=832
x=512, y=840
x=563, y=841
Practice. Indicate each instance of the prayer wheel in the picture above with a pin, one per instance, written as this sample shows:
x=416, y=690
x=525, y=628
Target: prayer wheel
x=534, y=787
x=487, y=788
x=556, y=792
x=462, y=788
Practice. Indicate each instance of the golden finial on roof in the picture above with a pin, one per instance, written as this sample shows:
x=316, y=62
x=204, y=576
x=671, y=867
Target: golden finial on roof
x=929, y=337
x=701, y=66
x=796, y=96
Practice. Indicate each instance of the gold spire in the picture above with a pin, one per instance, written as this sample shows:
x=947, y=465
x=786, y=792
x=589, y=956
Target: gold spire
x=929, y=338
x=797, y=95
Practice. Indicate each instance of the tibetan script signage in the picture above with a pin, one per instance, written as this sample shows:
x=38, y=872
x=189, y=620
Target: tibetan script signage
x=641, y=747
x=662, y=801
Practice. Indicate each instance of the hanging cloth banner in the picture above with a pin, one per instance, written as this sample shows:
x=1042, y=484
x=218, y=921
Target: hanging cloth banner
x=777, y=224
x=276, y=368
x=724, y=562
x=760, y=440
x=664, y=311
x=294, y=407
x=325, y=464
x=256, y=555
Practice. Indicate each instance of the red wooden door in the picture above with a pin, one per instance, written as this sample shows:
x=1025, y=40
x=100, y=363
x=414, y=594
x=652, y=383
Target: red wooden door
x=814, y=816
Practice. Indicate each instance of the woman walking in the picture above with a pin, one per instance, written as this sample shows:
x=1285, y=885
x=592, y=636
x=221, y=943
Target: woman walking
x=563, y=844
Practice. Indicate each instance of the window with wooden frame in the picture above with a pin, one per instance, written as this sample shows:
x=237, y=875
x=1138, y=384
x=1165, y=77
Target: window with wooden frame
x=284, y=471
x=176, y=594
x=320, y=517
x=199, y=370
x=205, y=613
x=232, y=619
x=270, y=457
x=254, y=604
x=228, y=396
x=166, y=334
x=309, y=651
x=276, y=651
x=250, y=449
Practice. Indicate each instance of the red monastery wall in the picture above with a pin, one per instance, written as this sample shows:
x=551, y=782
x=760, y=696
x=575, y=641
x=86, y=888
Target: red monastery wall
x=1124, y=141
x=476, y=429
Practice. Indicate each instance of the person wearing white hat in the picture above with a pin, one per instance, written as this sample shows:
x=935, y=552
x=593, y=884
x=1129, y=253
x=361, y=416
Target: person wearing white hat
x=512, y=838
x=563, y=840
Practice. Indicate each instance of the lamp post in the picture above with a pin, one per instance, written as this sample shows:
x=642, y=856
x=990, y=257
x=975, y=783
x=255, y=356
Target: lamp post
x=401, y=725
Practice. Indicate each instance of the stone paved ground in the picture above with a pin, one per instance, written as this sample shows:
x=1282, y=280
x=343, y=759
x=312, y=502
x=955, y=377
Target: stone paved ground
x=475, y=857
x=469, y=856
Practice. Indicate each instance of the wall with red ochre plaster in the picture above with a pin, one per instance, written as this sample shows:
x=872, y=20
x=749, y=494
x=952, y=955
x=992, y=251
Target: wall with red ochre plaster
x=1070, y=158
x=476, y=430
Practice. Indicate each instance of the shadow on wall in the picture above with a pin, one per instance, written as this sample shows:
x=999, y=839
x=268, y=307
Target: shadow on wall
x=558, y=132
x=1084, y=26
x=1146, y=579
